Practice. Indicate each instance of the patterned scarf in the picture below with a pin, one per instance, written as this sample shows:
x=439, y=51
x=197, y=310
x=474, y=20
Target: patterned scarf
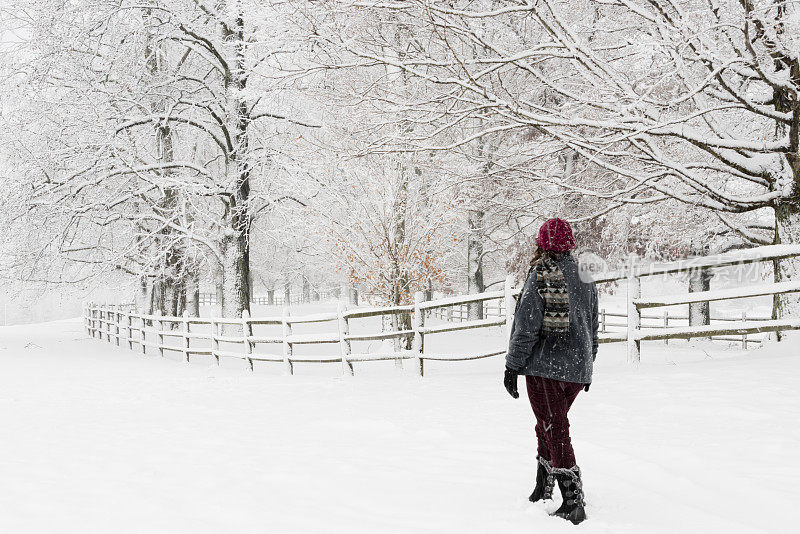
x=552, y=287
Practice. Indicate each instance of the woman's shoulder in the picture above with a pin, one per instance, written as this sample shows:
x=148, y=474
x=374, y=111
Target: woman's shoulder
x=577, y=269
x=530, y=278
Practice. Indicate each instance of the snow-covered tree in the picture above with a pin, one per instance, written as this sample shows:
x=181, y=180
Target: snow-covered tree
x=694, y=101
x=155, y=135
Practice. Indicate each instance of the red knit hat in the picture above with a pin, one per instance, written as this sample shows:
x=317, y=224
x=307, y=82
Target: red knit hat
x=555, y=235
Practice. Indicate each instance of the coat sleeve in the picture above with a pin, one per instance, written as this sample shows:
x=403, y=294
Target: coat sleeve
x=595, y=321
x=526, y=326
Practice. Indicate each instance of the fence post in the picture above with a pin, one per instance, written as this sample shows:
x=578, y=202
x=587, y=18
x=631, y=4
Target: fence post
x=344, y=343
x=160, y=332
x=108, y=325
x=143, y=335
x=666, y=325
x=417, y=323
x=744, y=336
x=119, y=326
x=104, y=324
x=186, y=331
x=508, y=301
x=214, y=340
x=603, y=320
x=117, y=321
x=634, y=316
x=247, y=332
x=287, y=346
x=129, y=325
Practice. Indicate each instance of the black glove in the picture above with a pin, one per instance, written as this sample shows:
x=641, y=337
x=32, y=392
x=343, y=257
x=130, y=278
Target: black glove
x=510, y=382
x=586, y=387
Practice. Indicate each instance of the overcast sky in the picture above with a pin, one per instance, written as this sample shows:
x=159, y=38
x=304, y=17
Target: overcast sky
x=7, y=34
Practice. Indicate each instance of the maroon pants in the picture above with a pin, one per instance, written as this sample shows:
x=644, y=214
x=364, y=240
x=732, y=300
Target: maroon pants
x=551, y=400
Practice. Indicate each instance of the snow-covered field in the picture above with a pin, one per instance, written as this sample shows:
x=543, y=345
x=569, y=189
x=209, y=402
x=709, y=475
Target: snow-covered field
x=698, y=438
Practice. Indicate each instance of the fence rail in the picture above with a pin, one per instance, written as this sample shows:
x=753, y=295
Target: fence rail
x=278, y=298
x=636, y=334
x=235, y=337
x=459, y=313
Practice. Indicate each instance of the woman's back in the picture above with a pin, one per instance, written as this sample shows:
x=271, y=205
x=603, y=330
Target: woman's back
x=570, y=357
x=554, y=342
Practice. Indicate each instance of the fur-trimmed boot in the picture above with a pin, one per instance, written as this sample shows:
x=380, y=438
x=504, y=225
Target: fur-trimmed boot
x=545, y=481
x=569, y=481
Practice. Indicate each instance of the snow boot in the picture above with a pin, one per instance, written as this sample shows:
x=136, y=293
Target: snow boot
x=545, y=481
x=569, y=482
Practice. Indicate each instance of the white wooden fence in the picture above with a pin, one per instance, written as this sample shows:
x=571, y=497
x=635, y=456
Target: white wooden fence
x=235, y=337
x=636, y=302
x=460, y=313
x=612, y=321
x=278, y=297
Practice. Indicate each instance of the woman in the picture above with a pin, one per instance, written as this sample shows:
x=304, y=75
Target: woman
x=554, y=344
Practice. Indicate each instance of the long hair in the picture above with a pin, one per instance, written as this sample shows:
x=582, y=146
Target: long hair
x=536, y=255
x=540, y=252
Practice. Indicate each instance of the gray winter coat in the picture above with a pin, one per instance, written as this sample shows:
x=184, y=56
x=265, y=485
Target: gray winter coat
x=571, y=359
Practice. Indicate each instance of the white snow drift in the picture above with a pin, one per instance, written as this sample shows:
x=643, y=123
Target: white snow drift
x=698, y=438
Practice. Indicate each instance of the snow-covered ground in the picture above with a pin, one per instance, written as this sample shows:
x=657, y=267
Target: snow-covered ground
x=699, y=438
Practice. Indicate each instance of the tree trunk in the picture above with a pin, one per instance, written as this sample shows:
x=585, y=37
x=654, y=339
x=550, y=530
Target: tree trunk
x=270, y=297
x=699, y=312
x=193, y=295
x=219, y=290
x=172, y=254
x=236, y=241
x=170, y=301
x=235, y=267
x=180, y=299
x=306, y=290
x=157, y=298
x=787, y=209
x=400, y=276
x=287, y=292
x=475, y=282
x=699, y=280
x=787, y=219
x=144, y=300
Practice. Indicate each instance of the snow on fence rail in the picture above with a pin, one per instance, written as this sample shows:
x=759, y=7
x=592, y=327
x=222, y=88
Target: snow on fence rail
x=460, y=312
x=122, y=325
x=235, y=337
x=278, y=298
x=636, y=334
